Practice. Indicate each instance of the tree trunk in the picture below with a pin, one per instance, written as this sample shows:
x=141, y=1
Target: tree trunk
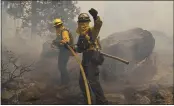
x=33, y=19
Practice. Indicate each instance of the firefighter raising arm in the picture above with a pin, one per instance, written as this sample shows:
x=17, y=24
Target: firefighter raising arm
x=97, y=22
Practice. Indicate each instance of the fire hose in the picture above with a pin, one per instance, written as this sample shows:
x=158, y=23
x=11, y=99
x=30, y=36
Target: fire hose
x=83, y=75
x=116, y=58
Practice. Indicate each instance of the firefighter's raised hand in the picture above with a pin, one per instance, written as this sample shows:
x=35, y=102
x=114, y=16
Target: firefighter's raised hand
x=94, y=13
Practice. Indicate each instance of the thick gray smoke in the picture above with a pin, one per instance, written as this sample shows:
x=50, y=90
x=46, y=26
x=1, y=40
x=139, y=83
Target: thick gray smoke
x=20, y=42
x=123, y=15
x=117, y=16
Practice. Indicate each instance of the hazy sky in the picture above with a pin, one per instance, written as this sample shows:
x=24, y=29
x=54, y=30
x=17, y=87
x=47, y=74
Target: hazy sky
x=122, y=15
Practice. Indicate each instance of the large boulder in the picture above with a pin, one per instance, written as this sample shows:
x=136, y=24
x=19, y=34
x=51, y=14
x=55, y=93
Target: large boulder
x=134, y=45
x=136, y=42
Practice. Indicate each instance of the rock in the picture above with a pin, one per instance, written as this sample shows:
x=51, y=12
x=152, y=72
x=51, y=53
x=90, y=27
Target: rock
x=7, y=94
x=68, y=91
x=115, y=98
x=12, y=85
x=158, y=94
x=133, y=45
x=142, y=99
x=163, y=96
x=154, y=88
x=30, y=93
x=41, y=85
x=135, y=40
x=60, y=96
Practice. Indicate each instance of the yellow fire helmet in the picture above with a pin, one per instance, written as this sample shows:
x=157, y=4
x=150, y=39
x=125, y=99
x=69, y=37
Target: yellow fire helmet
x=57, y=22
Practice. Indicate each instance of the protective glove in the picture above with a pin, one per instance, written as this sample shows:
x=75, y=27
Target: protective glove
x=94, y=13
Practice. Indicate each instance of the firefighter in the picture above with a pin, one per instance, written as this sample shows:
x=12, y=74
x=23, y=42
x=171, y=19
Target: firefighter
x=87, y=45
x=63, y=37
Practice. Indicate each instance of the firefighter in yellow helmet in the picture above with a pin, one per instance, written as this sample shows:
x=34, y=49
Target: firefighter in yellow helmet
x=63, y=37
x=87, y=45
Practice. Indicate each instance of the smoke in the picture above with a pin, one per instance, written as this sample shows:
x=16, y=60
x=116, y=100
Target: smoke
x=20, y=43
x=116, y=15
x=122, y=15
